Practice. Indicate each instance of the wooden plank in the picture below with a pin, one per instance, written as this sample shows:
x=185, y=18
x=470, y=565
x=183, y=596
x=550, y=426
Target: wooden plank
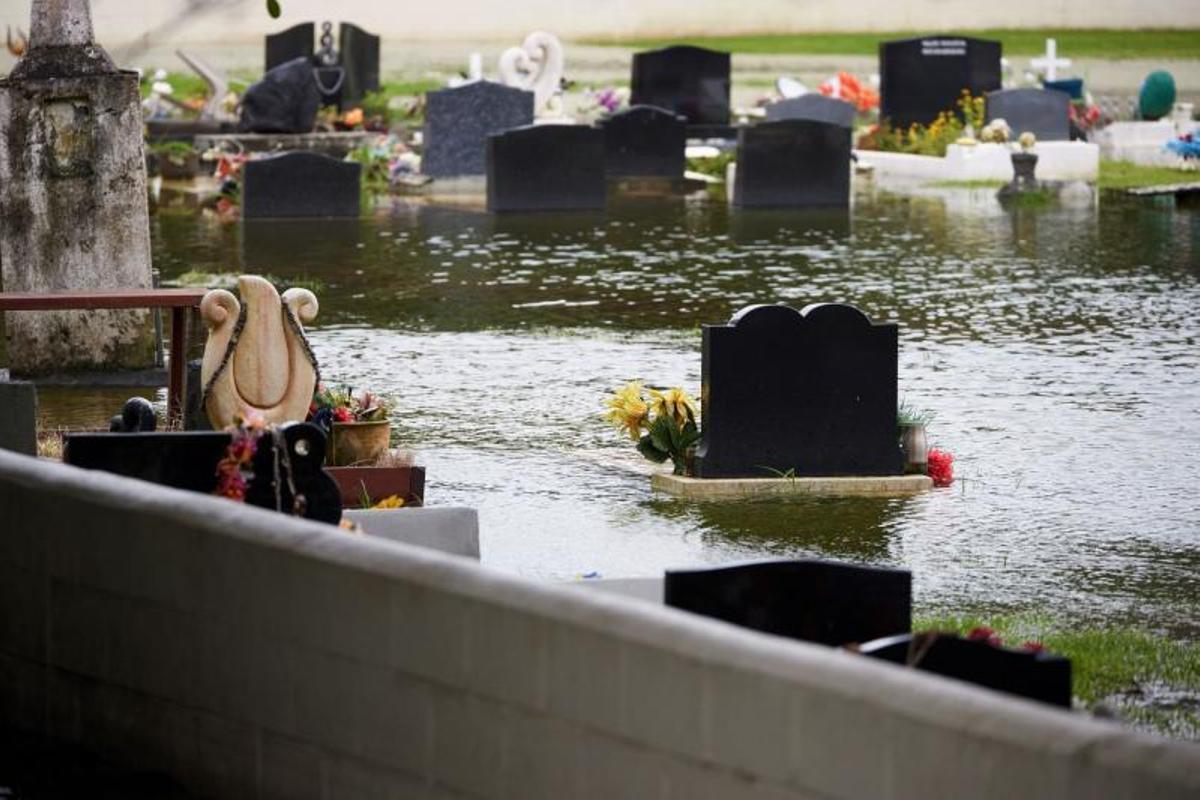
x=119, y=298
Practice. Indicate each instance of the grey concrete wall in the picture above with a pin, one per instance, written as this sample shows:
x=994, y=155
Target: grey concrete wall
x=257, y=656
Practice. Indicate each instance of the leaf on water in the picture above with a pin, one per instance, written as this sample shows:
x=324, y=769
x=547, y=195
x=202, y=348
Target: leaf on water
x=273, y=9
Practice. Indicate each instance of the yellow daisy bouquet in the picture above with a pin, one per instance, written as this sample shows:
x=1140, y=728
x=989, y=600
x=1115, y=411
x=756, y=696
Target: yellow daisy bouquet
x=663, y=423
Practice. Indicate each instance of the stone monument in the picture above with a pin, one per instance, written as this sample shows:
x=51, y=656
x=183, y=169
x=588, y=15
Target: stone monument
x=73, y=196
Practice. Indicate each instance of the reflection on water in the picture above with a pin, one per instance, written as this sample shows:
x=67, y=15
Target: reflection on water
x=1058, y=347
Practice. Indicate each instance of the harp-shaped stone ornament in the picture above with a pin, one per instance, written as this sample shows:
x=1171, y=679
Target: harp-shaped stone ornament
x=256, y=358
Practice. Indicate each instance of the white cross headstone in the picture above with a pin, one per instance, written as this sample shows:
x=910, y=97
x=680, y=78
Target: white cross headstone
x=1050, y=62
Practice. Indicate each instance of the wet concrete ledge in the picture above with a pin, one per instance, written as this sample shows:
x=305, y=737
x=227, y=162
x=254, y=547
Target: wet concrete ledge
x=746, y=488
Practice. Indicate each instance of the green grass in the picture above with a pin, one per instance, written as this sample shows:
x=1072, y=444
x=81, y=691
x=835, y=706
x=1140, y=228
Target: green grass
x=187, y=85
x=1099, y=43
x=1126, y=668
x=1124, y=175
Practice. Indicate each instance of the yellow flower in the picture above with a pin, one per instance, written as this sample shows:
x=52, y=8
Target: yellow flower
x=675, y=404
x=395, y=501
x=627, y=410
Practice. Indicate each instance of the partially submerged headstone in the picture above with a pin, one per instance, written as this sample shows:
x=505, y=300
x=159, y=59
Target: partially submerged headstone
x=793, y=163
x=301, y=184
x=693, y=82
x=803, y=393
x=458, y=122
x=546, y=168
x=813, y=106
x=1033, y=674
x=18, y=417
x=73, y=196
x=354, y=65
x=1043, y=112
x=815, y=601
x=644, y=141
x=920, y=78
x=257, y=357
x=288, y=473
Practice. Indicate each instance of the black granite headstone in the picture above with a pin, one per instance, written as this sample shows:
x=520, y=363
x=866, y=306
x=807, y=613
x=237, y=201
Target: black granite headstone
x=1034, y=675
x=920, y=78
x=793, y=163
x=1043, y=112
x=295, y=42
x=546, y=168
x=816, y=601
x=188, y=460
x=18, y=417
x=458, y=122
x=286, y=100
x=805, y=393
x=644, y=142
x=359, y=54
x=813, y=106
x=690, y=81
x=300, y=184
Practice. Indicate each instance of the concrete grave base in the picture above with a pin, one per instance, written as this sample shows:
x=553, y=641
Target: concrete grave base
x=745, y=488
x=1057, y=161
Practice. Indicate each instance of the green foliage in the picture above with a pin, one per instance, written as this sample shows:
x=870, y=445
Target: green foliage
x=175, y=152
x=934, y=138
x=1157, y=43
x=908, y=414
x=1124, y=175
x=186, y=85
x=715, y=167
x=273, y=9
x=666, y=440
x=376, y=167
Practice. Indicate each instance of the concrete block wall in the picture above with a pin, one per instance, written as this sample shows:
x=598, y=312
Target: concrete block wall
x=252, y=655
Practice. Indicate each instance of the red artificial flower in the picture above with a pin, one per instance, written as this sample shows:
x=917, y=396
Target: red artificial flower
x=940, y=467
x=1033, y=647
x=342, y=415
x=984, y=634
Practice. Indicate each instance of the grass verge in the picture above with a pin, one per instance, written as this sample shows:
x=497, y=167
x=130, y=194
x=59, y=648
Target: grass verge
x=1150, y=681
x=1098, y=43
x=1124, y=175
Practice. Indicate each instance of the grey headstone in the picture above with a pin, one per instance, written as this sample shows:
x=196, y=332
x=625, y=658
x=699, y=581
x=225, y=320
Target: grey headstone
x=815, y=107
x=920, y=78
x=459, y=121
x=1043, y=112
x=805, y=393
x=18, y=421
x=301, y=184
x=693, y=82
x=296, y=42
x=645, y=142
x=359, y=54
x=546, y=168
x=793, y=163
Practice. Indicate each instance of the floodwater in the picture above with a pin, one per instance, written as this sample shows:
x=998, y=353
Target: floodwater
x=1057, y=346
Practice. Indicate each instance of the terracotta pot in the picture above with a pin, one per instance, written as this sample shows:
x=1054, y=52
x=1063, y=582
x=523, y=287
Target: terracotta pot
x=358, y=443
x=915, y=446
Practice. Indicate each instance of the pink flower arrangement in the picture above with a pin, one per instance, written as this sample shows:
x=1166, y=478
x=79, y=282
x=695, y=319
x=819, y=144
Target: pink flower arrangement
x=232, y=471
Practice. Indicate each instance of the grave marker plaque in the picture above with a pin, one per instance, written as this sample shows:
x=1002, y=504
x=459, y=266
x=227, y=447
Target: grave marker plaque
x=815, y=601
x=1043, y=112
x=806, y=393
x=690, y=81
x=458, y=122
x=793, y=163
x=920, y=78
x=813, y=106
x=301, y=184
x=546, y=168
x=1037, y=676
x=644, y=142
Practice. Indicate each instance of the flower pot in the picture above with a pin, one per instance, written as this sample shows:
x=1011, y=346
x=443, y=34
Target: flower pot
x=358, y=443
x=376, y=483
x=915, y=446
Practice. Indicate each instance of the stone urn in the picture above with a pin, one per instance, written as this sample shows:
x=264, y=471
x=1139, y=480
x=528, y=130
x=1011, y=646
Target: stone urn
x=914, y=444
x=358, y=443
x=1024, y=167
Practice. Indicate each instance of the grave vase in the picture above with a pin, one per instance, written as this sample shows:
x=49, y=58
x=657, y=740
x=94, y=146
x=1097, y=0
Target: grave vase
x=915, y=445
x=358, y=443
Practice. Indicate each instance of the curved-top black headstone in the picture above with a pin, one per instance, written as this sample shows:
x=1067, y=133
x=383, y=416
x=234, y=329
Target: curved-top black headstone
x=546, y=168
x=813, y=106
x=690, y=81
x=1043, y=112
x=358, y=52
x=816, y=601
x=805, y=393
x=645, y=141
x=920, y=78
x=459, y=120
x=295, y=42
x=301, y=184
x=793, y=163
